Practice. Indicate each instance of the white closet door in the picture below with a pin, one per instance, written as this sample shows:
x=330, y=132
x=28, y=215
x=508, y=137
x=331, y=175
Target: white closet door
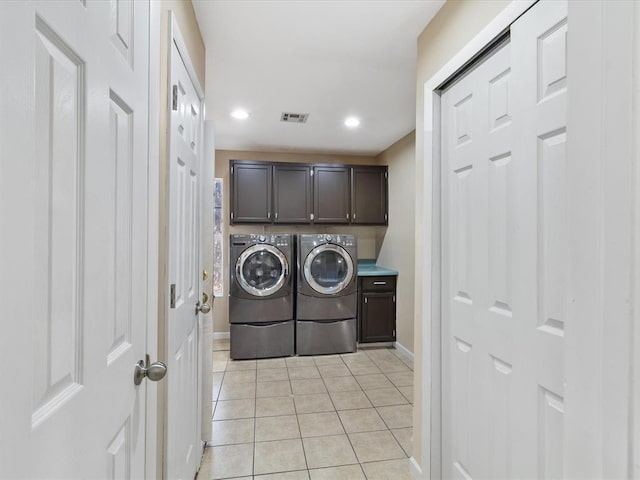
x=74, y=187
x=504, y=256
x=184, y=447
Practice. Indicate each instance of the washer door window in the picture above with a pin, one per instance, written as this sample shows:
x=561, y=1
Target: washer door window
x=328, y=269
x=262, y=270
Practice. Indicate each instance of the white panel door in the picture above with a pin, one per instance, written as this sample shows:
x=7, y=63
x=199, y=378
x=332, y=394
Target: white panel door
x=504, y=256
x=183, y=426
x=73, y=185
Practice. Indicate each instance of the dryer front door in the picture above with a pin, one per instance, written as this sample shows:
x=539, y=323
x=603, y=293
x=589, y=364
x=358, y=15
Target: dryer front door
x=328, y=269
x=262, y=270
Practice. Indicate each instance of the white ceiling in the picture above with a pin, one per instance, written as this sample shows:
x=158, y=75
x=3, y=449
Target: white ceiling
x=327, y=58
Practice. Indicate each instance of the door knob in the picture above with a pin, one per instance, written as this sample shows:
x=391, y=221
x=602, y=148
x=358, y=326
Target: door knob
x=202, y=308
x=154, y=372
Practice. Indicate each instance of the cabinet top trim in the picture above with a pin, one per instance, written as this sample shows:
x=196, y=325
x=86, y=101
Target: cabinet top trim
x=308, y=165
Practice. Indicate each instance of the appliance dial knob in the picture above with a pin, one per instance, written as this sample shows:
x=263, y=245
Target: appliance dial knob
x=327, y=238
x=262, y=238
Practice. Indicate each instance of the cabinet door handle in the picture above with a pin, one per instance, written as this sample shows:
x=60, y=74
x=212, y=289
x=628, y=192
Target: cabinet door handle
x=354, y=217
x=347, y=216
x=276, y=215
x=365, y=300
x=269, y=215
x=379, y=283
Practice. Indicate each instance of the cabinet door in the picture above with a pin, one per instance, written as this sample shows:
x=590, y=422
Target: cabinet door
x=369, y=195
x=292, y=193
x=251, y=193
x=331, y=194
x=378, y=319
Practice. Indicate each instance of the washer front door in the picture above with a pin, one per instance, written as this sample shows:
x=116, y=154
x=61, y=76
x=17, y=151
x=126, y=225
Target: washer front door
x=262, y=270
x=328, y=269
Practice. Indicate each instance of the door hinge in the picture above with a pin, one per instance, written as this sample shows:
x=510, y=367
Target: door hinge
x=174, y=104
x=311, y=216
x=172, y=295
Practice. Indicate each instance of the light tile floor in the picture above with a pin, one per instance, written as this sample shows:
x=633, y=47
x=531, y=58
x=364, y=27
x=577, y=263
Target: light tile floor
x=330, y=417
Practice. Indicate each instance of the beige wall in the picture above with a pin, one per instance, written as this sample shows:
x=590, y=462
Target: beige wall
x=369, y=238
x=457, y=22
x=188, y=24
x=397, y=249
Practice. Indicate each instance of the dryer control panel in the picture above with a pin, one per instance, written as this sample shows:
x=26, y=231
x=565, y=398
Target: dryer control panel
x=344, y=240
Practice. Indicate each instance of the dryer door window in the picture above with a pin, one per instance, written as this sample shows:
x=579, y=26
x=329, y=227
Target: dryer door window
x=262, y=270
x=328, y=269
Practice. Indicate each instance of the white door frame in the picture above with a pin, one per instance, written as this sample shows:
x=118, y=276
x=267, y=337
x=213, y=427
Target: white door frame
x=153, y=441
x=635, y=378
x=174, y=36
x=592, y=105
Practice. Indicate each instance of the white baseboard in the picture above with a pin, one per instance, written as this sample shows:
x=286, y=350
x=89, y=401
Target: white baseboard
x=403, y=349
x=220, y=335
x=414, y=468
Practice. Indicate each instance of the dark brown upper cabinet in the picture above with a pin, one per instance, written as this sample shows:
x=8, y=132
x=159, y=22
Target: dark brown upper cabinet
x=302, y=193
x=331, y=194
x=251, y=192
x=369, y=200
x=292, y=193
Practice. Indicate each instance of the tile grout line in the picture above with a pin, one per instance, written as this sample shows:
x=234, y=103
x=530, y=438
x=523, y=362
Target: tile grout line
x=340, y=418
x=295, y=409
x=255, y=421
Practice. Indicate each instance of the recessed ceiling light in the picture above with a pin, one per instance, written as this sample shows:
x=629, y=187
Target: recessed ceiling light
x=240, y=114
x=352, y=122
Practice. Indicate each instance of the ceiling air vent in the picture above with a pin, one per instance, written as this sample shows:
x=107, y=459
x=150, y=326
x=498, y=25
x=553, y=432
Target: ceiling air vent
x=294, y=117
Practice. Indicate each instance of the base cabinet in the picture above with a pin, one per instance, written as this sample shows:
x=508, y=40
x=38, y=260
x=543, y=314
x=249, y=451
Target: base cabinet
x=377, y=313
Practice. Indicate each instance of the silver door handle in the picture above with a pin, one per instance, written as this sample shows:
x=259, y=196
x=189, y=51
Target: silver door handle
x=154, y=372
x=202, y=308
x=379, y=283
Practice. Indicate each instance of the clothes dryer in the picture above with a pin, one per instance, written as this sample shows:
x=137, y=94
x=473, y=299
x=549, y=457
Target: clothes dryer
x=327, y=296
x=261, y=295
